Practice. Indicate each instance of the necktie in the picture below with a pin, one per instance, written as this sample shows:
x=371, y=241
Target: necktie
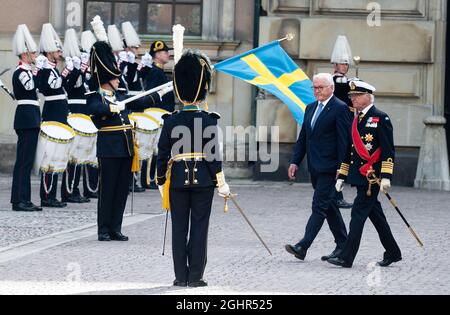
x=317, y=115
x=360, y=116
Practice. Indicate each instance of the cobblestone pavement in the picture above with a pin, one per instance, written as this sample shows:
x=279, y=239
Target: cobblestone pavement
x=237, y=263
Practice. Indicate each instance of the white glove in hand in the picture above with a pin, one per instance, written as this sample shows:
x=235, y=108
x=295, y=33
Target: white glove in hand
x=131, y=57
x=85, y=58
x=165, y=91
x=147, y=60
x=69, y=63
x=123, y=56
x=224, y=191
x=121, y=106
x=76, y=62
x=161, y=190
x=385, y=185
x=339, y=185
x=41, y=62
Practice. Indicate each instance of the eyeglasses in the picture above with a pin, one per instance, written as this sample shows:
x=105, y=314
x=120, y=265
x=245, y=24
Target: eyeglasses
x=319, y=88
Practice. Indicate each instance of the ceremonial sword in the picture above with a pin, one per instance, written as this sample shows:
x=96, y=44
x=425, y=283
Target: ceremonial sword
x=4, y=87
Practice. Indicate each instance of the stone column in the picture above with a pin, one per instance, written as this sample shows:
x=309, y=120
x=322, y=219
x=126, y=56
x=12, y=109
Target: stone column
x=433, y=169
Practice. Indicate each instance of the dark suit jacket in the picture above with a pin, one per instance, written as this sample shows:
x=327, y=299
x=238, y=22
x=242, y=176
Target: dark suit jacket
x=326, y=145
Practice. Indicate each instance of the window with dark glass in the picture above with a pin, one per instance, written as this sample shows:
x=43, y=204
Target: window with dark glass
x=154, y=17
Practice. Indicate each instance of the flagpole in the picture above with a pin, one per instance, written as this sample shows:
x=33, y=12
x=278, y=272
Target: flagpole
x=288, y=37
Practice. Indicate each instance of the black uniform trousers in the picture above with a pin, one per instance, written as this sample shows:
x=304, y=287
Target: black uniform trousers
x=68, y=178
x=369, y=207
x=115, y=174
x=51, y=181
x=324, y=207
x=26, y=152
x=189, y=256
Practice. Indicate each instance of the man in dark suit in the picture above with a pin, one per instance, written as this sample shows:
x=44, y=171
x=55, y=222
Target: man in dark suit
x=324, y=139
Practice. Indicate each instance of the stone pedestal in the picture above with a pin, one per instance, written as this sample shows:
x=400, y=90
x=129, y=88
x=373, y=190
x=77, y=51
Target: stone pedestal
x=433, y=169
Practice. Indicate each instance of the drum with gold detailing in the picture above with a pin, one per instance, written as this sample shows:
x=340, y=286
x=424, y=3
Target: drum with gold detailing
x=83, y=149
x=52, y=153
x=147, y=129
x=157, y=114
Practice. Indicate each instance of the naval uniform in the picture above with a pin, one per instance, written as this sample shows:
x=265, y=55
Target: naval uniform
x=372, y=150
x=27, y=122
x=115, y=151
x=56, y=109
x=190, y=176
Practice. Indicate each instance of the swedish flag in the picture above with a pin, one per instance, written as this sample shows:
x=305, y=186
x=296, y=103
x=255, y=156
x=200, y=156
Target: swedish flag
x=270, y=68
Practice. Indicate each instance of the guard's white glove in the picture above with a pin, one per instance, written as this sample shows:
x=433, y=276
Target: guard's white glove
x=117, y=107
x=385, y=185
x=69, y=64
x=147, y=60
x=76, y=62
x=121, y=106
x=340, y=185
x=161, y=190
x=165, y=91
x=131, y=57
x=41, y=62
x=224, y=189
x=123, y=57
x=84, y=58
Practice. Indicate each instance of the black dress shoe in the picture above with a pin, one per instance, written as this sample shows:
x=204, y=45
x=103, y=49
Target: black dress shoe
x=104, y=237
x=117, y=236
x=198, y=284
x=334, y=254
x=177, y=283
x=76, y=199
x=53, y=204
x=342, y=204
x=297, y=251
x=91, y=195
x=388, y=261
x=23, y=207
x=339, y=262
x=36, y=208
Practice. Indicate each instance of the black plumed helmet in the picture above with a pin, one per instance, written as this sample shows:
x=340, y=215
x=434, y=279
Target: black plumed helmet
x=103, y=63
x=192, y=77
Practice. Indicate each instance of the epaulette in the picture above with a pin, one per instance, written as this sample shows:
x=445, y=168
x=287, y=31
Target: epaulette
x=214, y=115
x=168, y=115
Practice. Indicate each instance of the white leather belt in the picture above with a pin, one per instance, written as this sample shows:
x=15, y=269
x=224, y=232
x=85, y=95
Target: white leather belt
x=76, y=102
x=28, y=102
x=55, y=98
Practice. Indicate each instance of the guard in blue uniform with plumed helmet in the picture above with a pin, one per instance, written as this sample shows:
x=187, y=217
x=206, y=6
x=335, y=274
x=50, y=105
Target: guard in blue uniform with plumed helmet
x=190, y=172
x=74, y=84
x=116, y=149
x=56, y=107
x=27, y=119
x=369, y=167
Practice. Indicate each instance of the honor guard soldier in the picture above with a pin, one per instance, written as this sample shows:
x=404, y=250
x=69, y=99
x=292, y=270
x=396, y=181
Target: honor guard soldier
x=27, y=120
x=117, y=44
x=74, y=84
x=342, y=59
x=116, y=149
x=189, y=174
x=90, y=182
x=368, y=166
x=159, y=52
x=131, y=71
x=56, y=107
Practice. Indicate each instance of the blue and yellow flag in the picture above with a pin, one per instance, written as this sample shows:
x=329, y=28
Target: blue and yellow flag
x=270, y=68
